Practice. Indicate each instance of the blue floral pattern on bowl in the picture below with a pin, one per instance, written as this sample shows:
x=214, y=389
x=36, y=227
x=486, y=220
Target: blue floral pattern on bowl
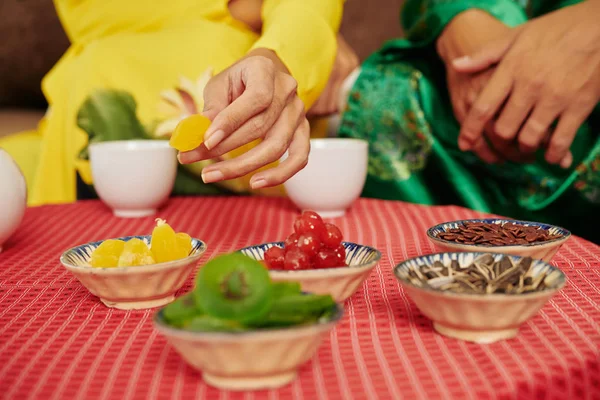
x=464, y=260
x=80, y=256
x=357, y=255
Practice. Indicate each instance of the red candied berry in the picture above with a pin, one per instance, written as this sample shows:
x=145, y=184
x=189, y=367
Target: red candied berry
x=291, y=241
x=309, y=243
x=341, y=252
x=332, y=236
x=275, y=257
x=311, y=216
x=329, y=258
x=309, y=221
x=295, y=260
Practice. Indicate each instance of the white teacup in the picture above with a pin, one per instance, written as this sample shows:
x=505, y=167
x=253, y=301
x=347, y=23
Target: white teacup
x=133, y=177
x=13, y=197
x=333, y=178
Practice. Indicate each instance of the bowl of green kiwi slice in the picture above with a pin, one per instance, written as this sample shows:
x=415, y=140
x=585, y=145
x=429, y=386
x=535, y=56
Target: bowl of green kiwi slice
x=244, y=331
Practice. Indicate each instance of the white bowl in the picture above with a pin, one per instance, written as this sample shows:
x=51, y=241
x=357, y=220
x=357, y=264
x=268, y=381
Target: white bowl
x=257, y=359
x=340, y=283
x=132, y=288
x=333, y=178
x=133, y=177
x=538, y=250
x=476, y=317
x=13, y=197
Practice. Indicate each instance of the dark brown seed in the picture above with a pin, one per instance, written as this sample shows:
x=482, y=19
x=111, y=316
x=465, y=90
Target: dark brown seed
x=496, y=234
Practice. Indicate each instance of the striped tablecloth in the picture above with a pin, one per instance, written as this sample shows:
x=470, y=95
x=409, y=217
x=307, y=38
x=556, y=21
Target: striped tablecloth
x=57, y=341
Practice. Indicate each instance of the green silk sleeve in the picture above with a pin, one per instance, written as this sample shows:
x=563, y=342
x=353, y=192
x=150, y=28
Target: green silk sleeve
x=424, y=20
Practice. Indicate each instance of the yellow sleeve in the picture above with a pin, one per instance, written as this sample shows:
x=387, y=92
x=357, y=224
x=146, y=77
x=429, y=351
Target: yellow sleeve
x=303, y=35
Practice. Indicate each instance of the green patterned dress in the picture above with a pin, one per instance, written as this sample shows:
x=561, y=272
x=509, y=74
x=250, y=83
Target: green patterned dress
x=400, y=104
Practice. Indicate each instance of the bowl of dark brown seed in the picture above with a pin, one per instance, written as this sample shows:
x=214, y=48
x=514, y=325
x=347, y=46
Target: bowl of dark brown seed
x=479, y=297
x=494, y=235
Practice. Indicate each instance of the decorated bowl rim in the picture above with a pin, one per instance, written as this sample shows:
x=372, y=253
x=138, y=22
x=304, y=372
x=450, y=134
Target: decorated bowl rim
x=160, y=323
x=477, y=296
x=198, y=252
x=316, y=272
x=566, y=234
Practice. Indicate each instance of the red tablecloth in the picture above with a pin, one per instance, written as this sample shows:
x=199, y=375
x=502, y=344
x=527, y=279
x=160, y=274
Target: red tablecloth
x=57, y=341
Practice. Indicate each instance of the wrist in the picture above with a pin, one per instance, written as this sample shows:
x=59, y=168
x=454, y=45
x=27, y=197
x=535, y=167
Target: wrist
x=271, y=55
x=468, y=32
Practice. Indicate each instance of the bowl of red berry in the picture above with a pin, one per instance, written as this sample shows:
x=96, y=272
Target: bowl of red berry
x=316, y=256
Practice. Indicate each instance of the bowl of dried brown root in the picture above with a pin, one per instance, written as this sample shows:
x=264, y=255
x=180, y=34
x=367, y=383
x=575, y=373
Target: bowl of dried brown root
x=479, y=297
x=497, y=235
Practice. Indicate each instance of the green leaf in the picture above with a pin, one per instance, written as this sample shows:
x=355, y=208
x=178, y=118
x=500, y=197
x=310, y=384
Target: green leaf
x=108, y=115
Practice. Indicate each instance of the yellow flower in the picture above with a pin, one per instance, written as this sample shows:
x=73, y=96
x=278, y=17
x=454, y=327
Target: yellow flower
x=180, y=102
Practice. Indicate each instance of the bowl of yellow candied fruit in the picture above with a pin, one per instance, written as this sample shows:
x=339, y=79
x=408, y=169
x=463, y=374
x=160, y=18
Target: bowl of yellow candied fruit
x=136, y=272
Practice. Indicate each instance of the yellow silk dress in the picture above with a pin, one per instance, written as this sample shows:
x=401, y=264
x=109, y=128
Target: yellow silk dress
x=147, y=48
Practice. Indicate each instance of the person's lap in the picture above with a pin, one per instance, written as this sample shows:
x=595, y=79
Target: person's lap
x=402, y=108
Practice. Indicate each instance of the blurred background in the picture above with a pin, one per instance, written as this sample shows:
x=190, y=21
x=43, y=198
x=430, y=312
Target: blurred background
x=33, y=40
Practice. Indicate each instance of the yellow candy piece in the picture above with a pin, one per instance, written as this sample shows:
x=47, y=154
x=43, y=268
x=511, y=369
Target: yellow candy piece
x=166, y=245
x=107, y=254
x=184, y=242
x=135, y=253
x=163, y=241
x=189, y=133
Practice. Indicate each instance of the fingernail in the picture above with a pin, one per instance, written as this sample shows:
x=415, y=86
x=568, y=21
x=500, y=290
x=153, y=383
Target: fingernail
x=258, y=183
x=566, y=161
x=464, y=145
x=213, y=139
x=212, y=176
x=181, y=157
x=461, y=61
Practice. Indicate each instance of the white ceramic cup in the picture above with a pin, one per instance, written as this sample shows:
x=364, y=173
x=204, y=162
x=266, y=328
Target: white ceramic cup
x=133, y=177
x=333, y=178
x=13, y=197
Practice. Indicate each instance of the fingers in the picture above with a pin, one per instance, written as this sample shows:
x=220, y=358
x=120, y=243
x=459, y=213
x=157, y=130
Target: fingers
x=253, y=101
x=275, y=144
x=262, y=89
x=513, y=115
x=484, y=109
x=296, y=160
x=484, y=58
x=536, y=127
x=216, y=96
x=484, y=151
x=563, y=136
x=459, y=107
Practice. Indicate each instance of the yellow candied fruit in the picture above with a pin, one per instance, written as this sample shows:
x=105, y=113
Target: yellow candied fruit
x=184, y=242
x=166, y=245
x=107, y=254
x=135, y=253
x=189, y=133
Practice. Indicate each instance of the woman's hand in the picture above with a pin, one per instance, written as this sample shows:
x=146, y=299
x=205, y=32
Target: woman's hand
x=467, y=33
x=346, y=61
x=549, y=71
x=253, y=99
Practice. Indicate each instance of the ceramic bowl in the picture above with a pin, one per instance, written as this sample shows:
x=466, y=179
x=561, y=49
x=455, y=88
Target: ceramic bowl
x=341, y=282
x=333, y=178
x=132, y=288
x=475, y=317
x=133, y=177
x=13, y=197
x=259, y=359
x=542, y=250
